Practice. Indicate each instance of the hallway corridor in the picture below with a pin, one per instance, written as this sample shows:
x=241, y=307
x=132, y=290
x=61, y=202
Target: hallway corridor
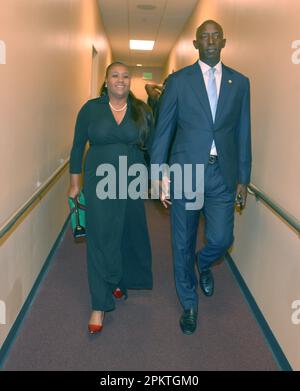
x=226, y=93
x=143, y=333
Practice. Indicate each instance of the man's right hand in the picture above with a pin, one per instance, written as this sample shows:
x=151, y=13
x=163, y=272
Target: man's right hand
x=163, y=187
x=165, y=191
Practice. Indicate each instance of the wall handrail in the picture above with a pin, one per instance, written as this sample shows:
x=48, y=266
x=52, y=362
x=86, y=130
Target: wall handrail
x=252, y=189
x=15, y=217
x=286, y=216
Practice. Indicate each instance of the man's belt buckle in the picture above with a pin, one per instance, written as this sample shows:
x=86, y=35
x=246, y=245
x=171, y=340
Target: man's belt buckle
x=212, y=159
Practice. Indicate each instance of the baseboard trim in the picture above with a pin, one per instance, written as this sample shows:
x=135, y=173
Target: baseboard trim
x=34, y=290
x=274, y=346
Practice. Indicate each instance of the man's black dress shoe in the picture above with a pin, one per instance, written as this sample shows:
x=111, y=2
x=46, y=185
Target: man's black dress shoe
x=207, y=282
x=188, y=321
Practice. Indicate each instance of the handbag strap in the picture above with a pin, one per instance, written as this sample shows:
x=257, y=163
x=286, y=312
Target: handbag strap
x=79, y=205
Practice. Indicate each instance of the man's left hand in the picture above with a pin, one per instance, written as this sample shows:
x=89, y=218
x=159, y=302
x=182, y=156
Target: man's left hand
x=241, y=195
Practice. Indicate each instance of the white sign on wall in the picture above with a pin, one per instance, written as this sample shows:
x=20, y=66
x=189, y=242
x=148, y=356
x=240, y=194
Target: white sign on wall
x=296, y=53
x=2, y=52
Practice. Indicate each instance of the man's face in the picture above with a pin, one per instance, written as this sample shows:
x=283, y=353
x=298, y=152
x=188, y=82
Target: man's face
x=209, y=42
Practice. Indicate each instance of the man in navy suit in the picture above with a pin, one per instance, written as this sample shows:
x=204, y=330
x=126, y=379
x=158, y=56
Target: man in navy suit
x=204, y=118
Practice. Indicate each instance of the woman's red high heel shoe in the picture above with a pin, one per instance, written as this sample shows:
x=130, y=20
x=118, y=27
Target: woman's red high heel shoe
x=118, y=293
x=95, y=328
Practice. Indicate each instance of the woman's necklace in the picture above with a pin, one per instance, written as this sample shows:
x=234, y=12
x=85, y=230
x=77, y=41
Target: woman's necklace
x=121, y=109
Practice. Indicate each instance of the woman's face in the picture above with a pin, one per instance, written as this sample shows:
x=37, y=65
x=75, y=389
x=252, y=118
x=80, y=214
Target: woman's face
x=118, y=81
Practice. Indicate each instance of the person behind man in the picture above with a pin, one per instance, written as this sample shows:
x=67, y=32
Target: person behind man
x=204, y=118
x=154, y=92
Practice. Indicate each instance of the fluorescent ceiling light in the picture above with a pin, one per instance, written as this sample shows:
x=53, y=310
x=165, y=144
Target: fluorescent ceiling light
x=139, y=65
x=141, y=45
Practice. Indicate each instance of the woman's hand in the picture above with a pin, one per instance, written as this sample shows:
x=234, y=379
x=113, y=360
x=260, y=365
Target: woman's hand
x=74, y=188
x=73, y=191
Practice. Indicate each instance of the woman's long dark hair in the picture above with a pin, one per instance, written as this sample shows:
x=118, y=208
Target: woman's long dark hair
x=140, y=112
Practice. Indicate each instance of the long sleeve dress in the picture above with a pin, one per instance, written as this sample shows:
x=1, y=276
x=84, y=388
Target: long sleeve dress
x=118, y=246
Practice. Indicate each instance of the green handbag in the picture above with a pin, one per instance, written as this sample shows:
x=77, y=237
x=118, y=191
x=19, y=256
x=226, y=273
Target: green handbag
x=77, y=210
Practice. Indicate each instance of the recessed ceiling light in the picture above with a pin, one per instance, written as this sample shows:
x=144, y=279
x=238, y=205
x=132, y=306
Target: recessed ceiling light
x=146, y=7
x=139, y=65
x=141, y=45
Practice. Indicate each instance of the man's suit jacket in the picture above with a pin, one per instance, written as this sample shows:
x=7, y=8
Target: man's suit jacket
x=185, y=129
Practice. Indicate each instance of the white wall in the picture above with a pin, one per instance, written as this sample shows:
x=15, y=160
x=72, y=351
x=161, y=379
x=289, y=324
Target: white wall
x=45, y=80
x=260, y=35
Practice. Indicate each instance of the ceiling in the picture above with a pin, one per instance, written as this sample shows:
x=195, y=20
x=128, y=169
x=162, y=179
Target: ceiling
x=123, y=20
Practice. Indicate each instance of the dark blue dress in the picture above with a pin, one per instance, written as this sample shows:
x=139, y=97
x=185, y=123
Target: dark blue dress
x=118, y=247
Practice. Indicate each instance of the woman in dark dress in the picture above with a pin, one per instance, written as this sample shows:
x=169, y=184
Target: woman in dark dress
x=118, y=248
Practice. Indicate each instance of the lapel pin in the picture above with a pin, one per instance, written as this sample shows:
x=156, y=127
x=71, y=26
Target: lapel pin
x=230, y=81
